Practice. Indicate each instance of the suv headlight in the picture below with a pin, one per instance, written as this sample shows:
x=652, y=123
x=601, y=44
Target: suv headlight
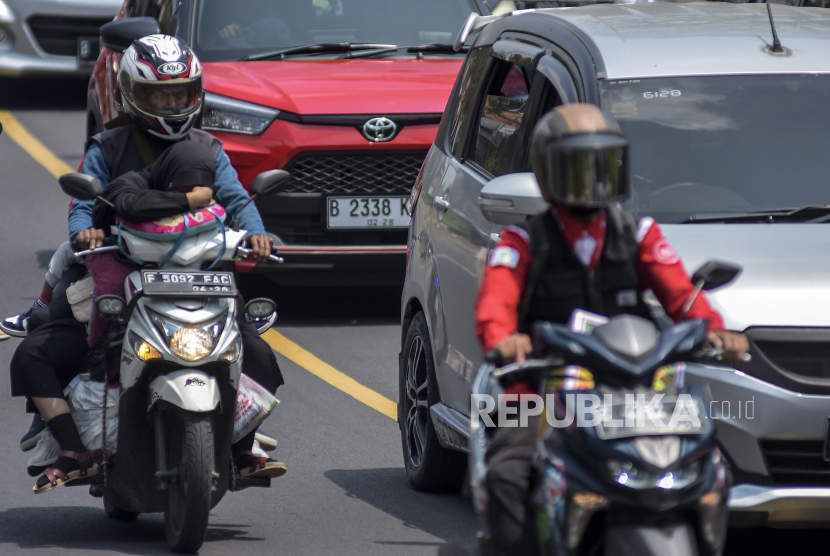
x=236, y=116
x=191, y=342
x=625, y=473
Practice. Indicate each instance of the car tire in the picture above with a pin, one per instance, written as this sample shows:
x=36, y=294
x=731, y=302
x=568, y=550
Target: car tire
x=429, y=466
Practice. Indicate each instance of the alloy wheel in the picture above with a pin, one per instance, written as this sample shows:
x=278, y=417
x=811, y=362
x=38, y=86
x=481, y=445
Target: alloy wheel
x=417, y=401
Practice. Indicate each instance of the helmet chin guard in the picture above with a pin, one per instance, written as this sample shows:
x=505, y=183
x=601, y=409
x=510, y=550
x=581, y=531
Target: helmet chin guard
x=160, y=81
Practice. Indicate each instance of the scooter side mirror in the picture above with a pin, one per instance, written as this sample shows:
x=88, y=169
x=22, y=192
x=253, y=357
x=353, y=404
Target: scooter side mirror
x=715, y=274
x=264, y=185
x=110, y=306
x=269, y=183
x=80, y=186
x=118, y=35
x=262, y=312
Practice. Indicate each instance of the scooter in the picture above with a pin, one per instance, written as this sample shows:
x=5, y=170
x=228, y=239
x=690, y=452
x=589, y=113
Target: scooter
x=179, y=368
x=621, y=484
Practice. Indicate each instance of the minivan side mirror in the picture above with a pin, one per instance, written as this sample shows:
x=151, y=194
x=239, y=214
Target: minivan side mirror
x=715, y=274
x=118, y=35
x=511, y=198
x=269, y=183
x=80, y=186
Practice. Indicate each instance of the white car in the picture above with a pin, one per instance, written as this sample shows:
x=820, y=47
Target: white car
x=42, y=36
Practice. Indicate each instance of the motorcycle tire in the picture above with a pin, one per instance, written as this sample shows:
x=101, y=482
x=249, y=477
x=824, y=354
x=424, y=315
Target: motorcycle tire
x=117, y=513
x=429, y=466
x=190, y=450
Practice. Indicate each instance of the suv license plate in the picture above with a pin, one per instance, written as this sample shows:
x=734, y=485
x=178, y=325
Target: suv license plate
x=367, y=212
x=188, y=283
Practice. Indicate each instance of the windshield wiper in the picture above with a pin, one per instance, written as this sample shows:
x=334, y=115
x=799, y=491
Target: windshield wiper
x=420, y=49
x=809, y=213
x=322, y=48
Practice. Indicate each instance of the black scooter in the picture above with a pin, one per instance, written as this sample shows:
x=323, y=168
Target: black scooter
x=624, y=485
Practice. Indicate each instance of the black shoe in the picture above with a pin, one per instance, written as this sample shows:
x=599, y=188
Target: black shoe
x=30, y=439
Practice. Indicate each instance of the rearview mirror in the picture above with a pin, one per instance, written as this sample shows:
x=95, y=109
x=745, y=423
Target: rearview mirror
x=715, y=274
x=118, y=35
x=110, y=306
x=511, y=198
x=80, y=186
x=269, y=183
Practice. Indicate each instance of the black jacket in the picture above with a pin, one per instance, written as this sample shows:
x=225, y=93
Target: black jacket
x=143, y=196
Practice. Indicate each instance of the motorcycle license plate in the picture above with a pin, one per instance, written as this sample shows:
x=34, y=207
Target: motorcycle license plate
x=187, y=283
x=638, y=416
x=367, y=212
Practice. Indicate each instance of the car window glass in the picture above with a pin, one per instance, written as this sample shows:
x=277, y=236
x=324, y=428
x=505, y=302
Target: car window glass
x=130, y=8
x=230, y=29
x=470, y=82
x=731, y=144
x=162, y=11
x=501, y=115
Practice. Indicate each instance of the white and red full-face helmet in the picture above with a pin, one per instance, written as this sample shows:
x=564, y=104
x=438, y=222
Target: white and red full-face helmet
x=160, y=81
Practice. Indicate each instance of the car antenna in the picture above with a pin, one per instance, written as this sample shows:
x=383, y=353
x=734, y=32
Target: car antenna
x=776, y=43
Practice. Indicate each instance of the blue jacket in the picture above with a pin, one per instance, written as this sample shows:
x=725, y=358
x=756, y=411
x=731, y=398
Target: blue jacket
x=228, y=192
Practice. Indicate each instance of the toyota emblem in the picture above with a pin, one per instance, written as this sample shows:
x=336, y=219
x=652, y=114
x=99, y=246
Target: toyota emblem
x=379, y=130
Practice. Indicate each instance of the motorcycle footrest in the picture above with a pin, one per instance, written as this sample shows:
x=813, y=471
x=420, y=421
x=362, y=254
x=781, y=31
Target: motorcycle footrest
x=246, y=482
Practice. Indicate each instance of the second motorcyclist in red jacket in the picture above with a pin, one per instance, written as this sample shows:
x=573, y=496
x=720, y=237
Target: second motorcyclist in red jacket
x=585, y=253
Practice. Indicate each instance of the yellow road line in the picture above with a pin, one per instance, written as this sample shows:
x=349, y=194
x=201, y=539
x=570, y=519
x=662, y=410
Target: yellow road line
x=57, y=167
x=29, y=143
x=331, y=375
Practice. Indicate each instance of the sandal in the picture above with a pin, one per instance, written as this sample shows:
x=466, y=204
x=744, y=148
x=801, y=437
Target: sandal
x=260, y=466
x=58, y=477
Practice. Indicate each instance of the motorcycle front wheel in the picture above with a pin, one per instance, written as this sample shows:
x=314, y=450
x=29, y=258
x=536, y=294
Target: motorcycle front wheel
x=190, y=452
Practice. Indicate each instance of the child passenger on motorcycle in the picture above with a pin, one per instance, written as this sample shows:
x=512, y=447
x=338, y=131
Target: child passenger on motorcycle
x=587, y=253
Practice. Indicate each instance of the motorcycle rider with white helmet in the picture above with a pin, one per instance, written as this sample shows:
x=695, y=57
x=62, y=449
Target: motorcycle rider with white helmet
x=159, y=82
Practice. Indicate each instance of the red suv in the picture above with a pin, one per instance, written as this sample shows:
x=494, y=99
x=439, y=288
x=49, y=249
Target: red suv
x=344, y=94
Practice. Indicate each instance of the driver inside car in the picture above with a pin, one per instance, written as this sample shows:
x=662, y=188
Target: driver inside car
x=586, y=252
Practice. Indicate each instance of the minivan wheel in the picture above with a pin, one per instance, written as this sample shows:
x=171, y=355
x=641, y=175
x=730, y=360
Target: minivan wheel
x=429, y=466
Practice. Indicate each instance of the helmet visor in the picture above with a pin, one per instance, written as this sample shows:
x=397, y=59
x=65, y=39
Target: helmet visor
x=168, y=99
x=584, y=177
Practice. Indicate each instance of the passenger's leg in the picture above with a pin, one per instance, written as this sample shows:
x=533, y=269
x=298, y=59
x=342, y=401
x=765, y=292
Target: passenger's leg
x=62, y=261
x=41, y=367
x=509, y=459
x=260, y=364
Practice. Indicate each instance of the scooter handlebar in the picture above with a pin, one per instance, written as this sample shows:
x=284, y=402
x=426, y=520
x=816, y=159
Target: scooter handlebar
x=245, y=251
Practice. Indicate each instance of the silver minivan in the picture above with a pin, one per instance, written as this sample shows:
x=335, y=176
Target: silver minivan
x=729, y=152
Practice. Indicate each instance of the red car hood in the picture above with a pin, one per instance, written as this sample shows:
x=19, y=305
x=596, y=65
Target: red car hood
x=380, y=87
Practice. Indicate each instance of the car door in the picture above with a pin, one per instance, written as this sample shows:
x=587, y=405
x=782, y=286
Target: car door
x=489, y=142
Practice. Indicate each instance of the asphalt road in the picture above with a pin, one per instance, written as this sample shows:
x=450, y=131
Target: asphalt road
x=345, y=493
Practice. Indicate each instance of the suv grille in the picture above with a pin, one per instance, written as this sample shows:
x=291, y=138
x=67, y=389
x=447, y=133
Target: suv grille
x=357, y=173
x=809, y=359
x=59, y=35
x=797, y=462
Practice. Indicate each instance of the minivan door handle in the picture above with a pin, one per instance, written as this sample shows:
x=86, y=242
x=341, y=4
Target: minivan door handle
x=442, y=204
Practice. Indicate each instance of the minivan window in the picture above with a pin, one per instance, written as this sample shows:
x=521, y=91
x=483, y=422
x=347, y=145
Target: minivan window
x=470, y=81
x=228, y=30
x=502, y=113
x=724, y=144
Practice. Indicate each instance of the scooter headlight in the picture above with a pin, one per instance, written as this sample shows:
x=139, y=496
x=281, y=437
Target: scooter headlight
x=191, y=342
x=625, y=473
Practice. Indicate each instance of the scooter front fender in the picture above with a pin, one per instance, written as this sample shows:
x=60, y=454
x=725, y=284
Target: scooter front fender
x=189, y=389
x=676, y=539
